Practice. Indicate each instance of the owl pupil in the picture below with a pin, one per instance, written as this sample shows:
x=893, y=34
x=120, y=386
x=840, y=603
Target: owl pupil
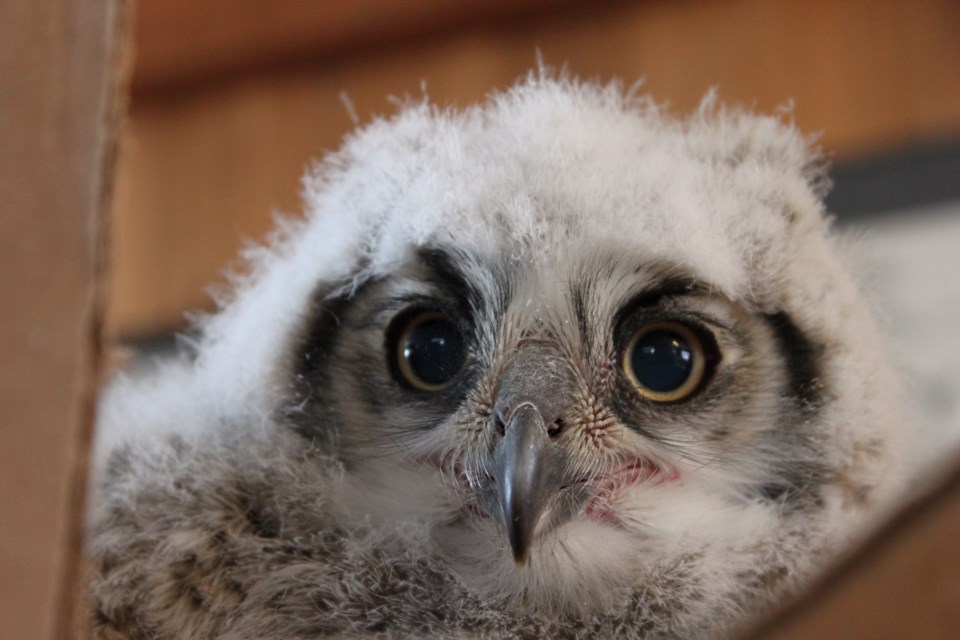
x=662, y=360
x=434, y=351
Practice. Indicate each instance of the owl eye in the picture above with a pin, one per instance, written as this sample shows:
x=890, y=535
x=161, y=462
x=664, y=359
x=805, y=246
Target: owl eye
x=430, y=351
x=665, y=361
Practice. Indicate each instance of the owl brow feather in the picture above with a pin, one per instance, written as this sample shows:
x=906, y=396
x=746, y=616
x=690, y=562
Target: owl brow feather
x=451, y=280
x=653, y=296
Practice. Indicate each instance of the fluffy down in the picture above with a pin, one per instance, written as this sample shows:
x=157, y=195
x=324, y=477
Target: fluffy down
x=214, y=517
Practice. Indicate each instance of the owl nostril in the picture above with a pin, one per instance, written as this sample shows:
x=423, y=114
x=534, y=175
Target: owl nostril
x=556, y=428
x=499, y=426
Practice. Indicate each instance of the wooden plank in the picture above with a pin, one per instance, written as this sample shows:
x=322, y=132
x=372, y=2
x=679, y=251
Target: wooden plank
x=56, y=59
x=904, y=583
x=185, y=42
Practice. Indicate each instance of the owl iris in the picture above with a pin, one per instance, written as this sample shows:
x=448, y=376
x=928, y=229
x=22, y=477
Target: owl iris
x=430, y=352
x=665, y=362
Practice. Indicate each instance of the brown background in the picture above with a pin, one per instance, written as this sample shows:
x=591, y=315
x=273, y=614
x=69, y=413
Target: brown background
x=230, y=105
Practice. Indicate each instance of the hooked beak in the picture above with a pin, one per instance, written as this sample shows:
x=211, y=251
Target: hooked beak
x=527, y=469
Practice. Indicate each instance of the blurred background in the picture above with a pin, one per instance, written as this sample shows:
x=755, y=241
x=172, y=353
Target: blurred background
x=231, y=101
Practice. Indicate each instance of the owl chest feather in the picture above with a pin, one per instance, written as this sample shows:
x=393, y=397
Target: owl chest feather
x=208, y=540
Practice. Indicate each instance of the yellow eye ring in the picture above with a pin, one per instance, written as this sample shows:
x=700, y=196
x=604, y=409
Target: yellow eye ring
x=430, y=351
x=665, y=361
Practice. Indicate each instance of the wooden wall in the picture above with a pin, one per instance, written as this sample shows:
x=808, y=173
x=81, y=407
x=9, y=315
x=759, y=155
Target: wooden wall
x=56, y=127
x=232, y=100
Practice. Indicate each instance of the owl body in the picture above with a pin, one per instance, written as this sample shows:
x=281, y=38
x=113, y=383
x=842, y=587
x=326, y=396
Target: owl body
x=559, y=365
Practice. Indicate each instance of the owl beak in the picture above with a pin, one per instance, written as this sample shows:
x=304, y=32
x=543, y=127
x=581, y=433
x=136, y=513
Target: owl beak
x=527, y=467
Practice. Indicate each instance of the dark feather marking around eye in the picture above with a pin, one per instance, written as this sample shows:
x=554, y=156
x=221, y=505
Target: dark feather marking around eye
x=800, y=478
x=450, y=280
x=453, y=282
x=675, y=286
x=390, y=306
x=317, y=345
x=802, y=357
x=313, y=352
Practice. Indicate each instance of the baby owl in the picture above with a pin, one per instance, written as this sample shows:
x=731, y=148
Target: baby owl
x=556, y=366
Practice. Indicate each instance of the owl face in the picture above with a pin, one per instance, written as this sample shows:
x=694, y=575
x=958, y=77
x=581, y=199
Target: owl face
x=556, y=365
x=526, y=405
x=583, y=348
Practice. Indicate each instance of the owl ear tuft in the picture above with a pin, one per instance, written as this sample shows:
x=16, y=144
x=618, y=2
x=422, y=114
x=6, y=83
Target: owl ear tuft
x=734, y=136
x=792, y=165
